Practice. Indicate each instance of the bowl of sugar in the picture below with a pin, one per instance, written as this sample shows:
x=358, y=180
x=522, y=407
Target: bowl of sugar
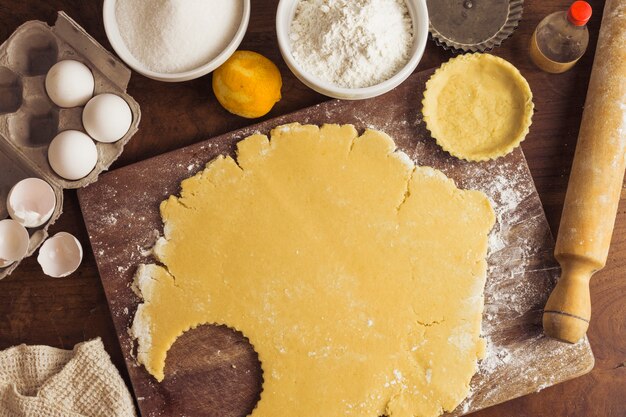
x=352, y=49
x=173, y=40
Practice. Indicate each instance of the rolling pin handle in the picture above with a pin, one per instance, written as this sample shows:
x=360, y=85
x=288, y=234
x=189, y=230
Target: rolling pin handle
x=568, y=310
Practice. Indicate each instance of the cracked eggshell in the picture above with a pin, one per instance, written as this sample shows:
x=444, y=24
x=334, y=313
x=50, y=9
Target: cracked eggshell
x=60, y=255
x=14, y=242
x=107, y=117
x=69, y=83
x=31, y=202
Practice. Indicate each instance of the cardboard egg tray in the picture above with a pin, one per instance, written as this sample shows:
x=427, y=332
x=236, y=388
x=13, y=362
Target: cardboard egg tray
x=29, y=120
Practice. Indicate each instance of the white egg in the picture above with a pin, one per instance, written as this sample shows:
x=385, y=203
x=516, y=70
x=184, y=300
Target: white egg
x=60, y=255
x=69, y=83
x=107, y=118
x=72, y=154
x=14, y=241
x=31, y=202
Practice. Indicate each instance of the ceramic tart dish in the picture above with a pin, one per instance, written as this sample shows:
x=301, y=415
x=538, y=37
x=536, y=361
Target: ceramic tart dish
x=478, y=107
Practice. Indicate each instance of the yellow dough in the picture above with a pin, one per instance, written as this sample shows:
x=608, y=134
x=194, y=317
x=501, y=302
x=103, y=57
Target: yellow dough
x=357, y=276
x=478, y=107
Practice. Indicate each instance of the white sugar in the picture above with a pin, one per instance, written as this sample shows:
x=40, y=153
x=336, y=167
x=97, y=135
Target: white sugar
x=170, y=36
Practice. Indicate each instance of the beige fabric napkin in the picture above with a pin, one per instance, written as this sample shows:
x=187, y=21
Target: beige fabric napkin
x=42, y=381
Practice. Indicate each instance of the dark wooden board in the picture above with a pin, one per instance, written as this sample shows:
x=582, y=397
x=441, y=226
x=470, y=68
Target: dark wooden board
x=123, y=222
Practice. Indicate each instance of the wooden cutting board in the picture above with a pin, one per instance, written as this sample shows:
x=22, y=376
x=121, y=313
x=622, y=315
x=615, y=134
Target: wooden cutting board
x=213, y=371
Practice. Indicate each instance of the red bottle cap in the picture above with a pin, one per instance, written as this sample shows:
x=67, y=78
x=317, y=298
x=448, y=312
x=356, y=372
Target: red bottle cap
x=579, y=13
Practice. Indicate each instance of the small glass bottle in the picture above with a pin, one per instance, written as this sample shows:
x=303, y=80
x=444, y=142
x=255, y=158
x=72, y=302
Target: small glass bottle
x=561, y=38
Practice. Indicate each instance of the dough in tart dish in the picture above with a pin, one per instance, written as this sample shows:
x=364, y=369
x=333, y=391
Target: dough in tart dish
x=478, y=107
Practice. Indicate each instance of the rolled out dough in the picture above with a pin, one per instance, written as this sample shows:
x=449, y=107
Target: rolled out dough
x=357, y=276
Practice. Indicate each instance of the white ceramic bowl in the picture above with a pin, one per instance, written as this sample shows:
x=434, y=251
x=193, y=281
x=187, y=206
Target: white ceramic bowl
x=419, y=16
x=115, y=38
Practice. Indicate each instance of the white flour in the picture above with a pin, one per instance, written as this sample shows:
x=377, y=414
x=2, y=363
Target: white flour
x=352, y=43
x=170, y=36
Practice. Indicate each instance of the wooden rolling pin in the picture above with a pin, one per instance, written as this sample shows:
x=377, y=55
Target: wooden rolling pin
x=595, y=183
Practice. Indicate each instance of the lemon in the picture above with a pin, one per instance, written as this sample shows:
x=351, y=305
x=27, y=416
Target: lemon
x=247, y=84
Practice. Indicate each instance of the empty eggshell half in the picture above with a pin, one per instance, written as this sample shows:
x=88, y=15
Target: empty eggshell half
x=107, y=118
x=69, y=83
x=31, y=202
x=60, y=255
x=72, y=154
x=14, y=241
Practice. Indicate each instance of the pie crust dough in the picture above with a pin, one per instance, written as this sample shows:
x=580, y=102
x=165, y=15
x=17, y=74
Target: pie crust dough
x=478, y=107
x=357, y=276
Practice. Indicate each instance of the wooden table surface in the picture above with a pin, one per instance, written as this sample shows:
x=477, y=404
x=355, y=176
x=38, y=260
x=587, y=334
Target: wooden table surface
x=35, y=309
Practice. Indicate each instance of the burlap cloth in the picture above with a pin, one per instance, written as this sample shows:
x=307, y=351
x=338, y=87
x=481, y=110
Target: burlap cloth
x=41, y=381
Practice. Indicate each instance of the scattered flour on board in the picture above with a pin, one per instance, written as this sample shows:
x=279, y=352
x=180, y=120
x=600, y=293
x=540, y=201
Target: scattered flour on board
x=110, y=220
x=494, y=356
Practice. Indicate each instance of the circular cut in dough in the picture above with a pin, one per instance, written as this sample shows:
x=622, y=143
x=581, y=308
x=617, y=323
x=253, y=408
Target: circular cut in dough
x=478, y=107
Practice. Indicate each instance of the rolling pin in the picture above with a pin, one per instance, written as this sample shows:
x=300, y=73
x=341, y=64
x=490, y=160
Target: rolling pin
x=595, y=183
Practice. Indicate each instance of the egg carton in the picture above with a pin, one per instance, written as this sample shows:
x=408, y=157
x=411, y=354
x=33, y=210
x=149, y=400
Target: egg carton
x=29, y=120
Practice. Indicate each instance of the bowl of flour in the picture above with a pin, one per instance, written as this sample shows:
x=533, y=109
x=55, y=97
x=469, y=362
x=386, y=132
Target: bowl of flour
x=352, y=49
x=173, y=40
